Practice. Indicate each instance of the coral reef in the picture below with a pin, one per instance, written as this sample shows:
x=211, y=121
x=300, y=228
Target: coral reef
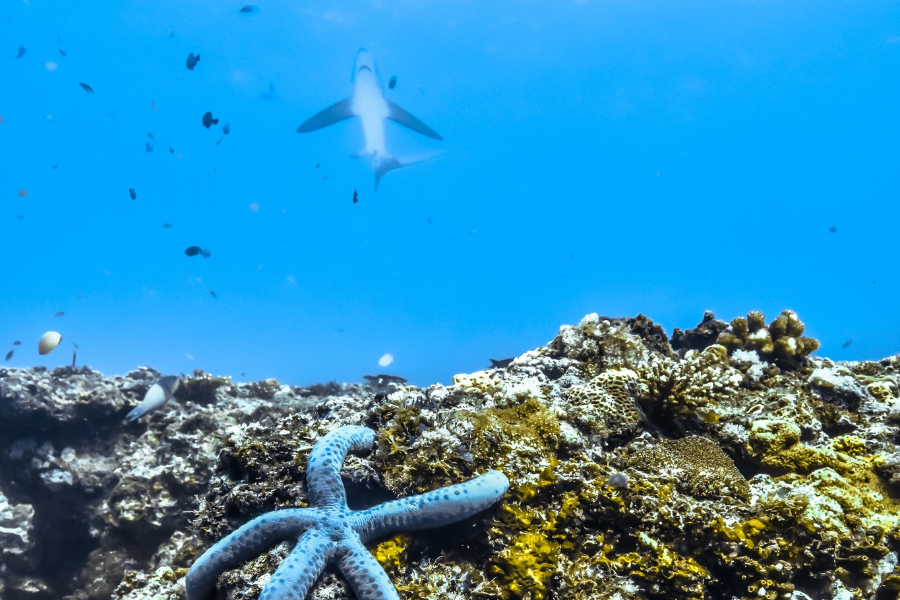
x=731, y=463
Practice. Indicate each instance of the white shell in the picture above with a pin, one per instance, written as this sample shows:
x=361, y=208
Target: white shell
x=48, y=342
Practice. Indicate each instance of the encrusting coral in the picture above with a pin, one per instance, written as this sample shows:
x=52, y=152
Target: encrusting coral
x=714, y=467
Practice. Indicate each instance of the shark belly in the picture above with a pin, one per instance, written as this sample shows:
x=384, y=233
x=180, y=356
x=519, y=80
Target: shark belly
x=369, y=105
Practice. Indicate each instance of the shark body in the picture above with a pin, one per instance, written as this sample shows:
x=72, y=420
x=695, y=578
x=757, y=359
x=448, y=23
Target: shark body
x=373, y=109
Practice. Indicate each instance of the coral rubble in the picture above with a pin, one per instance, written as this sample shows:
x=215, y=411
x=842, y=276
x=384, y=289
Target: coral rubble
x=729, y=463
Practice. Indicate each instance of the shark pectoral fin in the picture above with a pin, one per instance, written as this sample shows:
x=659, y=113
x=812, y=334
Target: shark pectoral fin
x=407, y=120
x=333, y=114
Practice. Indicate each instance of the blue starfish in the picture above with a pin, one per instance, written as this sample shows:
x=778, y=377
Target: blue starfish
x=328, y=531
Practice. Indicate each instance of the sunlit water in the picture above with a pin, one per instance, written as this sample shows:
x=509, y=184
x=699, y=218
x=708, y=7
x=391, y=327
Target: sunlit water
x=610, y=157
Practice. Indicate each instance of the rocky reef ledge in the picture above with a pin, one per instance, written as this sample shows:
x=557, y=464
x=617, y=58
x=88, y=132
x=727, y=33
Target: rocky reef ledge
x=725, y=462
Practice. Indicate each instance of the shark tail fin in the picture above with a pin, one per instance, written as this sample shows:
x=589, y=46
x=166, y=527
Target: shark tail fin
x=384, y=166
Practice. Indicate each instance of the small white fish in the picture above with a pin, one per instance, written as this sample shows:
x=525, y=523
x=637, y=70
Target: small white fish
x=158, y=394
x=48, y=342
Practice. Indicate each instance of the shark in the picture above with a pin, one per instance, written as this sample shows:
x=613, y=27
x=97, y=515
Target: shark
x=373, y=109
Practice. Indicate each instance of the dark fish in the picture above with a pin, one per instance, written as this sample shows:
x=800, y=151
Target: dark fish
x=54, y=166
x=392, y=82
x=23, y=193
x=73, y=359
x=9, y=354
x=17, y=343
x=21, y=52
x=832, y=229
x=250, y=8
x=205, y=253
x=192, y=250
x=208, y=120
x=382, y=379
x=219, y=141
x=58, y=44
x=60, y=314
x=150, y=135
x=317, y=165
x=76, y=346
x=148, y=146
x=171, y=150
x=171, y=33
x=428, y=220
x=167, y=226
x=226, y=128
x=501, y=364
x=87, y=88
x=192, y=60
x=268, y=95
x=846, y=344
x=20, y=217
x=355, y=197
x=212, y=293
x=132, y=193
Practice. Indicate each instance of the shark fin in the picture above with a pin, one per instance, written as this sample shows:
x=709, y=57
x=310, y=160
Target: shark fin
x=399, y=115
x=385, y=165
x=331, y=115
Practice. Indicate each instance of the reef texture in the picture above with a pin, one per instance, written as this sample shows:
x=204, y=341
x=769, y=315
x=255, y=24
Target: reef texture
x=729, y=463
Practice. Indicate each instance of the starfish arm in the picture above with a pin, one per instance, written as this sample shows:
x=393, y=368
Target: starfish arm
x=364, y=573
x=433, y=509
x=242, y=544
x=298, y=572
x=323, y=471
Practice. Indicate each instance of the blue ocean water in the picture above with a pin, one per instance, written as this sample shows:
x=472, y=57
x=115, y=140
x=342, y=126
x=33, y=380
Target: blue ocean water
x=612, y=157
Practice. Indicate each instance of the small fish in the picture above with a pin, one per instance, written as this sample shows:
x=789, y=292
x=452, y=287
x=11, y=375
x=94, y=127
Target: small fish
x=250, y=8
x=48, y=342
x=428, y=220
x=385, y=379
x=355, y=197
x=73, y=359
x=205, y=253
x=76, y=346
x=148, y=146
x=226, y=128
x=9, y=354
x=132, y=193
x=501, y=364
x=392, y=82
x=58, y=44
x=87, y=88
x=208, y=120
x=212, y=293
x=268, y=95
x=1, y=119
x=219, y=141
x=150, y=135
x=153, y=104
x=386, y=360
x=23, y=193
x=167, y=226
x=846, y=344
x=21, y=52
x=60, y=314
x=317, y=165
x=192, y=250
x=54, y=166
x=832, y=229
x=171, y=33
x=171, y=149
x=159, y=393
x=20, y=217
x=254, y=206
x=17, y=343
x=192, y=60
